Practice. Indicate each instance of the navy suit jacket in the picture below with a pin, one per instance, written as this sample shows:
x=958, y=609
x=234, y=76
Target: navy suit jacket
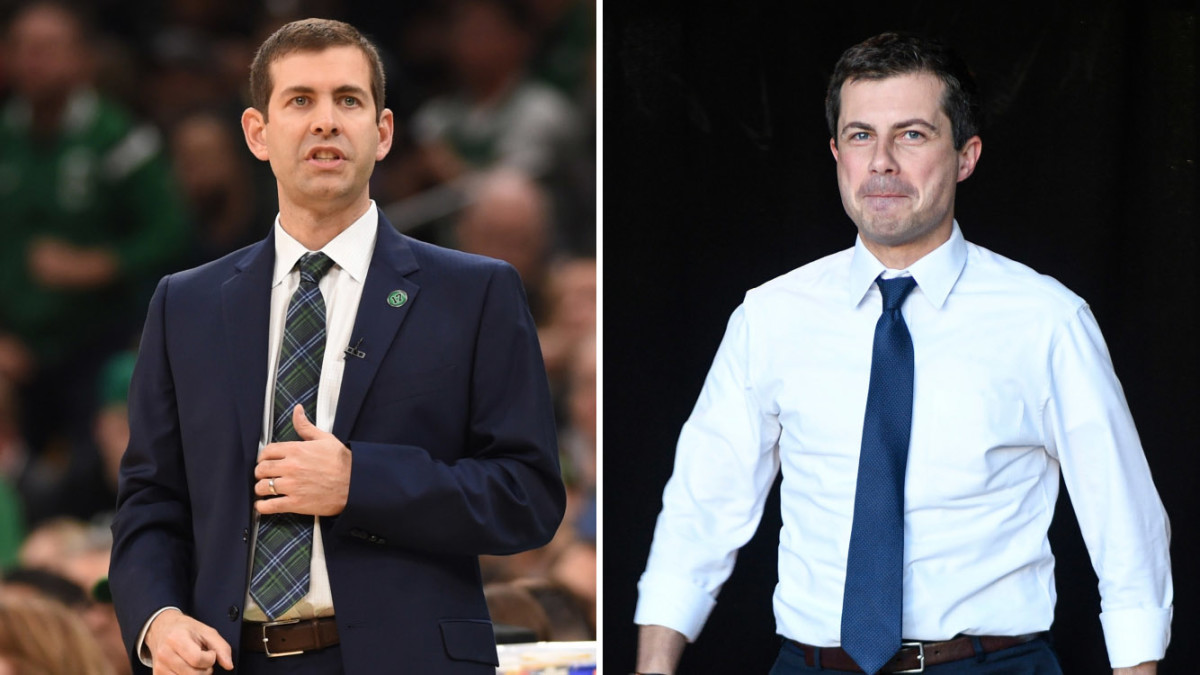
x=448, y=418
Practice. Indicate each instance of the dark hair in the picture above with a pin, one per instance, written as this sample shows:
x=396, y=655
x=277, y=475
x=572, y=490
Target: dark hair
x=892, y=54
x=311, y=35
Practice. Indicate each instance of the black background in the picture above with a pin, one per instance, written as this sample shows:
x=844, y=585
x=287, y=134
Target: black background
x=718, y=177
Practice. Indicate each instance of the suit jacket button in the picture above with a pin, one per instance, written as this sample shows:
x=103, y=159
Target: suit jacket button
x=233, y=613
x=245, y=534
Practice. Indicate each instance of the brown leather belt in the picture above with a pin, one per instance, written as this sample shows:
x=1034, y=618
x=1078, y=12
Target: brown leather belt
x=285, y=638
x=915, y=657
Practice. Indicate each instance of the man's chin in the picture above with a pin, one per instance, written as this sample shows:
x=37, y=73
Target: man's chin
x=326, y=191
x=901, y=233
x=889, y=233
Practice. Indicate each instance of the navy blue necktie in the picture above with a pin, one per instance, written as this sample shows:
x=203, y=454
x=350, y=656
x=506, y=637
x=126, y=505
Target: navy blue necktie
x=871, y=604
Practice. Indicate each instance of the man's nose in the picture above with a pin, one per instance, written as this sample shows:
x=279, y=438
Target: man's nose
x=325, y=121
x=883, y=160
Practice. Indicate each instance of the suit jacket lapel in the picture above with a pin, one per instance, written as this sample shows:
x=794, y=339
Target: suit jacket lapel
x=246, y=306
x=377, y=321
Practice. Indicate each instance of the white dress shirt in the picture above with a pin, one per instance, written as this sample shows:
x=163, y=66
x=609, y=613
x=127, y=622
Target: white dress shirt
x=341, y=288
x=1013, y=384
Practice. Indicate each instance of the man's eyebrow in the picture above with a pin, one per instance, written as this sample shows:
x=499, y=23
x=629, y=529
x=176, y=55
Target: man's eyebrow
x=862, y=126
x=916, y=122
x=305, y=89
x=350, y=89
x=296, y=89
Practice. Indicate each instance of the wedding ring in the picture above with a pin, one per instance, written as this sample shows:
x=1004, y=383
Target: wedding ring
x=271, y=484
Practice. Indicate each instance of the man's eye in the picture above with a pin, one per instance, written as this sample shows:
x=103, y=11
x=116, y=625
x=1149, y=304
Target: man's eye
x=913, y=135
x=860, y=136
x=350, y=101
x=300, y=100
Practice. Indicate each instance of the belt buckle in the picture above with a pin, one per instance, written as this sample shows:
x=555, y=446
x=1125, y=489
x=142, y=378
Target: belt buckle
x=266, y=643
x=920, y=657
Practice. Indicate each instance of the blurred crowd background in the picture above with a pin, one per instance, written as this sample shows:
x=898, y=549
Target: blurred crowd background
x=122, y=159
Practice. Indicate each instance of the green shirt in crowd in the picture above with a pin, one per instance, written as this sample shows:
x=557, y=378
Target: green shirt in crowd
x=101, y=181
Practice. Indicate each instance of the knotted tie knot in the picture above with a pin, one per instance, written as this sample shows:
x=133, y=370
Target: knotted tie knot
x=313, y=266
x=895, y=291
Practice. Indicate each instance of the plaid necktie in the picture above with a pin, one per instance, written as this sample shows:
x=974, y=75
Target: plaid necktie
x=872, y=600
x=283, y=552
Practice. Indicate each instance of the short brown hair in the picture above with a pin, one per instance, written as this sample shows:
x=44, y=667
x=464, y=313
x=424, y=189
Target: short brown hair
x=311, y=35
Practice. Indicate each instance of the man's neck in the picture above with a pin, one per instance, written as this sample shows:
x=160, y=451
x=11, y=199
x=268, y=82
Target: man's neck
x=315, y=228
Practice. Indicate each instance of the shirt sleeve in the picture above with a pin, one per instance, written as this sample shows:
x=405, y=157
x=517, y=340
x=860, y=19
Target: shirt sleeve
x=1124, y=526
x=725, y=464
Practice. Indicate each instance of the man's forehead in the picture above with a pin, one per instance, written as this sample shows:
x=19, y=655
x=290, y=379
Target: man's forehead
x=906, y=94
x=338, y=66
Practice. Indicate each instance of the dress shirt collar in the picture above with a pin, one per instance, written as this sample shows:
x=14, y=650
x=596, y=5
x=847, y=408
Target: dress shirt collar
x=350, y=251
x=936, y=273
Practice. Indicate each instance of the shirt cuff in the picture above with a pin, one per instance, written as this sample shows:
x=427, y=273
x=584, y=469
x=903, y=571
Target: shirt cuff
x=143, y=652
x=678, y=604
x=1135, y=636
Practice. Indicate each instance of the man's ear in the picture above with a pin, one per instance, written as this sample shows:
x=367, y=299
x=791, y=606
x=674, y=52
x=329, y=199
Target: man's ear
x=254, y=127
x=833, y=148
x=387, y=131
x=968, y=157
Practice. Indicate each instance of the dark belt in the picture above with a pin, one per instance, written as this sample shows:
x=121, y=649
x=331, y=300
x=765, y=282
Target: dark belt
x=915, y=657
x=285, y=638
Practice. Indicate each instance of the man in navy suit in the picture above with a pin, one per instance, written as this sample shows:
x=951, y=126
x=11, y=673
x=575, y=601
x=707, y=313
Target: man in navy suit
x=430, y=439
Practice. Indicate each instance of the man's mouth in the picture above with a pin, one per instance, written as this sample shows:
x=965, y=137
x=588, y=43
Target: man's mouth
x=881, y=202
x=881, y=187
x=325, y=155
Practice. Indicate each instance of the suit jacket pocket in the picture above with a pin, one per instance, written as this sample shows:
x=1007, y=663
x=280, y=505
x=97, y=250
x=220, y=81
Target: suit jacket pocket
x=469, y=640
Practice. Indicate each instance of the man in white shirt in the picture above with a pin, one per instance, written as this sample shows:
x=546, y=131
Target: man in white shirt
x=1010, y=384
